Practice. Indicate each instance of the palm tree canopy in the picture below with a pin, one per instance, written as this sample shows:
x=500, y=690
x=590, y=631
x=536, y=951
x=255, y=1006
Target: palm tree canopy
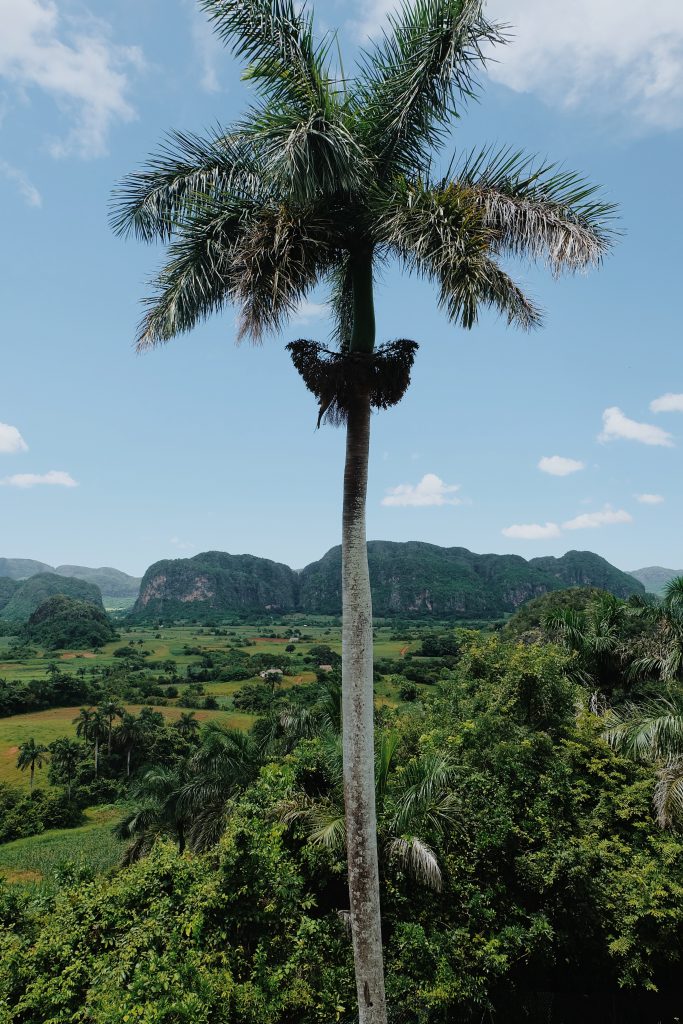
x=328, y=175
x=31, y=755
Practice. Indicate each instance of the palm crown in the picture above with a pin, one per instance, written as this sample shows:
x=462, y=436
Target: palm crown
x=327, y=176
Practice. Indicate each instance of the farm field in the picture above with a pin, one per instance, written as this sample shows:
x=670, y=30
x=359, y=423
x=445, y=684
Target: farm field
x=30, y=862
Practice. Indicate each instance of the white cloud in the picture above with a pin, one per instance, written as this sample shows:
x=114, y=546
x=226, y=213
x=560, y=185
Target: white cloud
x=208, y=48
x=606, y=55
x=649, y=499
x=532, y=531
x=667, y=403
x=431, y=490
x=592, y=520
x=182, y=545
x=615, y=426
x=11, y=440
x=55, y=478
x=557, y=465
x=309, y=311
x=26, y=189
x=73, y=62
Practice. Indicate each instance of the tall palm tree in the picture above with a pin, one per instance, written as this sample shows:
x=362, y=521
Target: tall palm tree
x=325, y=180
x=110, y=709
x=126, y=735
x=66, y=755
x=32, y=755
x=91, y=725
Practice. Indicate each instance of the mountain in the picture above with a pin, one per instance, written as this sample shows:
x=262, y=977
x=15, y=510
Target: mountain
x=112, y=582
x=408, y=579
x=31, y=593
x=22, y=568
x=654, y=578
x=215, y=582
x=63, y=622
x=7, y=588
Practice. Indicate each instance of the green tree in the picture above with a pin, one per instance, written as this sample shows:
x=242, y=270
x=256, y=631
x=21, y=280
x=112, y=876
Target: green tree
x=126, y=736
x=187, y=725
x=110, y=709
x=32, y=755
x=328, y=178
x=66, y=756
x=91, y=725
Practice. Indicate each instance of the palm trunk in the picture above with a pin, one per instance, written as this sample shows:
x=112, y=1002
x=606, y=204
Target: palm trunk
x=357, y=690
x=97, y=753
x=31, y=782
x=128, y=763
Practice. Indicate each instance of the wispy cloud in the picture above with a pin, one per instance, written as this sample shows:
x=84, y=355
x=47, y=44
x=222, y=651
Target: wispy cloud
x=182, y=545
x=532, y=531
x=73, y=62
x=608, y=56
x=592, y=520
x=431, y=490
x=616, y=426
x=309, y=311
x=25, y=187
x=208, y=48
x=649, y=499
x=11, y=440
x=55, y=478
x=667, y=403
x=557, y=465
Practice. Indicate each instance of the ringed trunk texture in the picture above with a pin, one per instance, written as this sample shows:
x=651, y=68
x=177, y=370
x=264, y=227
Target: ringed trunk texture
x=358, y=726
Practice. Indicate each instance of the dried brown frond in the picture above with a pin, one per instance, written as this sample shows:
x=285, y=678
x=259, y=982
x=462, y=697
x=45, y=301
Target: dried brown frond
x=338, y=379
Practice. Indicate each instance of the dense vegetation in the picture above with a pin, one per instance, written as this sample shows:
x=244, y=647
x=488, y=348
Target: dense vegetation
x=409, y=579
x=525, y=872
x=31, y=593
x=66, y=623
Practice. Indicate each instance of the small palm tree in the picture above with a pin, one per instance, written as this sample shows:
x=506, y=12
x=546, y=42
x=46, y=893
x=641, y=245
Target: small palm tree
x=653, y=733
x=663, y=658
x=32, y=755
x=156, y=813
x=327, y=179
x=596, y=636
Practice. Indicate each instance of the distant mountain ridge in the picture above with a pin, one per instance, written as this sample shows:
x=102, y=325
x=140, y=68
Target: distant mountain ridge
x=655, y=578
x=408, y=579
x=112, y=582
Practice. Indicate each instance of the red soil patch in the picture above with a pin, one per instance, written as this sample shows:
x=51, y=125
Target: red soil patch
x=404, y=651
x=78, y=654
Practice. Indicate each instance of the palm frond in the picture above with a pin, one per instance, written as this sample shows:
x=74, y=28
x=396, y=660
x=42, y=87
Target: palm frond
x=668, y=795
x=440, y=233
x=276, y=40
x=417, y=859
x=411, y=81
x=537, y=210
x=186, y=170
x=651, y=731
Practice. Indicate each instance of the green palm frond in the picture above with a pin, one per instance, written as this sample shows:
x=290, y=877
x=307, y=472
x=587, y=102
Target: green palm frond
x=384, y=757
x=412, y=80
x=668, y=795
x=536, y=210
x=423, y=795
x=416, y=858
x=326, y=826
x=673, y=595
x=186, y=170
x=651, y=731
x=275, y=38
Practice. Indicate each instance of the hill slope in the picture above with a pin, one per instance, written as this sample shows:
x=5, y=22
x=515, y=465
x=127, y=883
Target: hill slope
x=654, y=578
x=22, y=568
x=30, y=594
x=111, y=582
x=215, y=582
x=408, y=579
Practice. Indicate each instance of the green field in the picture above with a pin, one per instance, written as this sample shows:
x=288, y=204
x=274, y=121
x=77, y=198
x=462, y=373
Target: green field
x=30, y=862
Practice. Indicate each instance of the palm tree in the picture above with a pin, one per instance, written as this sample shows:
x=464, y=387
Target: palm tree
x=66, y=756
x=187, y=725
x=155, y=814
x=92, y=726
x=126, y=735
x=32, y=755
x=596, y=636
x=412, y=805
x=325, y=180
x=663, y=658
x=653, y=733
x=110, y=710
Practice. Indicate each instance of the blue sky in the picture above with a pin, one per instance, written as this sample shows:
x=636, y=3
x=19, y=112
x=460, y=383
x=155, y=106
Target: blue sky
x=111, y=458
